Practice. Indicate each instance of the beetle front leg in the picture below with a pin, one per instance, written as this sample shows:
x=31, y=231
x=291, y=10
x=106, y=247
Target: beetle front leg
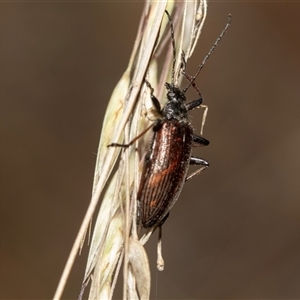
x=154, y=100
x=198, y=103
x=194, y=104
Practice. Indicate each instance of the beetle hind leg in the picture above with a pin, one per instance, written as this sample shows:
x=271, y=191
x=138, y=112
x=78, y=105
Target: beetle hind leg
x=199, y=162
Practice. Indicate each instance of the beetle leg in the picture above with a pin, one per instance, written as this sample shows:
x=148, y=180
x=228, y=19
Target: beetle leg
x=160, y=264
x=133, y=140
x=194, y=104
x=199, y=141
x=154, y=100
x=203, y=117
x=200, y=162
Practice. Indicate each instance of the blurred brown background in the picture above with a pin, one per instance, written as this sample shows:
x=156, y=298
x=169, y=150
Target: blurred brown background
x=235, y=232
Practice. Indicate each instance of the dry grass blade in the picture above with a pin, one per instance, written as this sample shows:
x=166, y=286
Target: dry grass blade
x=130, y=124
x=114, y=240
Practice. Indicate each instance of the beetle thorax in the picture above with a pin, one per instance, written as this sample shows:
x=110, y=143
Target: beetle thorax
x=175, y=107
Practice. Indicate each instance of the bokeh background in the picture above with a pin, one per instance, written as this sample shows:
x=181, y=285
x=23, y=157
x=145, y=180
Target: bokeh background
x=235, y=231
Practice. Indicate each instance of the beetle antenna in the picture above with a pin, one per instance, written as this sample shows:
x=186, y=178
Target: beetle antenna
x=173, y=45
x=209, y=53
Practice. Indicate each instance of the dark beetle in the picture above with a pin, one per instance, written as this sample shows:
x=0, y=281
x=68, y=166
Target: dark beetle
x=168, y=158
x=169, y=155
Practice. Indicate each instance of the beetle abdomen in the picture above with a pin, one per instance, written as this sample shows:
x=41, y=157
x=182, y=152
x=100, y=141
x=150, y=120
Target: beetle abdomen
x=164, y=171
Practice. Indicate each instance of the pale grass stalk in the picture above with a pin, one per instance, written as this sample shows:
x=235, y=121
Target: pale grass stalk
x=115, y=240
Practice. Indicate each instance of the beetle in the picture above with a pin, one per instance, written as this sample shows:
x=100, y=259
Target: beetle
x=169, y=155
x=168, y=158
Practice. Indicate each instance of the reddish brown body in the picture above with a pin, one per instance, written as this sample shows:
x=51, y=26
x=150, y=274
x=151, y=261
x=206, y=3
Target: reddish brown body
x=165, y=170
x=169, y=156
